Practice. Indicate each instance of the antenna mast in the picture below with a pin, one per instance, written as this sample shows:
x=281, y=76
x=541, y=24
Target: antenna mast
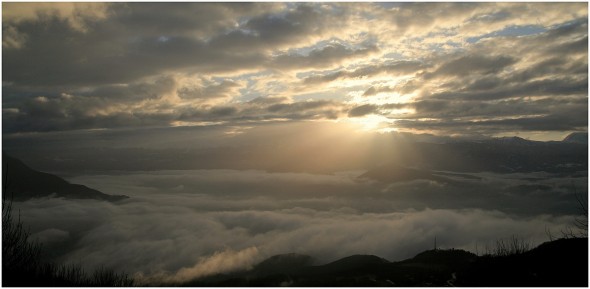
x=434, y=243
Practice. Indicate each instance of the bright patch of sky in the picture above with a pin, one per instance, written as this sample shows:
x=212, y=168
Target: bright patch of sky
x=249, y=93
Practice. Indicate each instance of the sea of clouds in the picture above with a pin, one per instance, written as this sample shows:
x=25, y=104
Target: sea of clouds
x=179, y=225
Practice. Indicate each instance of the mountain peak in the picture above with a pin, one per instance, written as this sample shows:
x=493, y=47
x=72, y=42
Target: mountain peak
x=513, y=140
x=577, y=137
x=23, y=182
x=283, y=263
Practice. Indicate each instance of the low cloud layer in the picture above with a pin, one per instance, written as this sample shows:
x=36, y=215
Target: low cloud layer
x=181, y=225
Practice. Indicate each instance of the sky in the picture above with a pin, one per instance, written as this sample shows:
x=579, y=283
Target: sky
x=244, y=130
x=453, y=69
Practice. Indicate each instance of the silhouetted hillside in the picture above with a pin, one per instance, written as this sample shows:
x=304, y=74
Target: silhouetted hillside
x=558, y=263
x=577, y=137
x=24, y=183
x=282, y=264
x=505, y=155
x=395, y=173
x=445, y=258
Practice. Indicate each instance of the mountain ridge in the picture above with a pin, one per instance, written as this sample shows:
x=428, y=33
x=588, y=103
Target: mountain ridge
x=562, y=262
x=23, y=183
x=577, y=137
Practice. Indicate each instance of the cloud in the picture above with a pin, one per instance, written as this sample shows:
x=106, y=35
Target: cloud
x=225, y=261
x=324, y=57
x=200, y=231
x=392, y=68
x=225, y=89
x=465, y=19
x=362, y=110
x=77, y=15
x=208, y=61
x=136, y=51
x=472, y=64
x=51, y=236
x=373, y=90
x=12, y=38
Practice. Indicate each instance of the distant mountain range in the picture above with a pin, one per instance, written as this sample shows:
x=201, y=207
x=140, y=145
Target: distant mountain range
x=502, y=155
x=435, y=162
x=23, y=183
x=562, y=262
x=505, y=155
x=577, y=137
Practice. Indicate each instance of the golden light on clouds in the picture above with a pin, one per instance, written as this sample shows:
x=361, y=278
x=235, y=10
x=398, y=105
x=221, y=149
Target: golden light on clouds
x=372, y=123
x=259, y=62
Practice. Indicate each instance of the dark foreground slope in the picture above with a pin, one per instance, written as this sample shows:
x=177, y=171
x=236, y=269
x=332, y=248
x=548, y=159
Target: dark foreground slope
x=23, y=183
x=558, y=263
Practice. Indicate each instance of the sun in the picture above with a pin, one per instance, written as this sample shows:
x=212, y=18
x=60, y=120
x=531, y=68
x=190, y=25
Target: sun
x=372, y=122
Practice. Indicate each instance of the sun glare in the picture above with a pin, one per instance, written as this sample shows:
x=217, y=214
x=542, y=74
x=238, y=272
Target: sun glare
x=371, y=122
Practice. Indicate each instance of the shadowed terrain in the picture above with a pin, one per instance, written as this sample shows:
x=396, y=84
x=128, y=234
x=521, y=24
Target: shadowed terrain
x=23, y=183
x=561, y=262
